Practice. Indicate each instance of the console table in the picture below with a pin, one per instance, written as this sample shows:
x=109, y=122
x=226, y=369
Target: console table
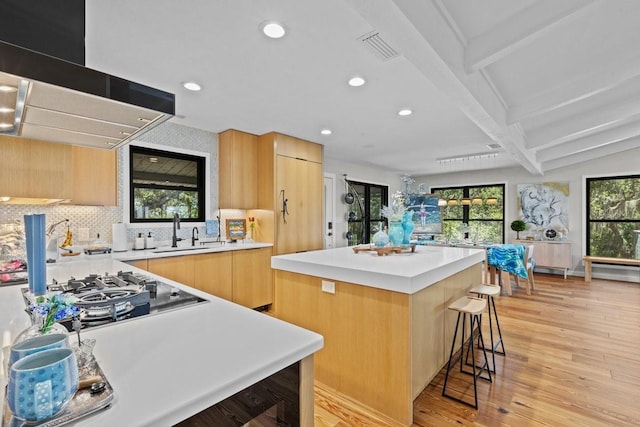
x=551, y=254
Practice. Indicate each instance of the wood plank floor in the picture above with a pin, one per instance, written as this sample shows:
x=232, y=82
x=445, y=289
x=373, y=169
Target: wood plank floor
x=573, y=359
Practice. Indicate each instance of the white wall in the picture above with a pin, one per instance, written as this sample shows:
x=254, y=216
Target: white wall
x=355, y=173
x=624, y=163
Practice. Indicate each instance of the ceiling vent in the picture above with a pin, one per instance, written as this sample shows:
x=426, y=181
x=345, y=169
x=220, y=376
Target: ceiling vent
x=379, y=46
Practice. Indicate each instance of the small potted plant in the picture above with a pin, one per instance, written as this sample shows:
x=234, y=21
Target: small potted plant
x=518, y=225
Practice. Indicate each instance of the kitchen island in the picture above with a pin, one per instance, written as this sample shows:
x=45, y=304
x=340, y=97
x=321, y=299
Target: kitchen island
x=384, y=319
x=166, y=367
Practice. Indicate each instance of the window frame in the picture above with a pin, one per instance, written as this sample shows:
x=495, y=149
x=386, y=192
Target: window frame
x=467, y=208
x=365, y=219
x=127, y=193
x=587, y=199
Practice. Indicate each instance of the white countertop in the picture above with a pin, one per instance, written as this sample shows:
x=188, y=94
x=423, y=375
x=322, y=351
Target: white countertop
x=184, y=249
x=168, y=366
x=405, y=272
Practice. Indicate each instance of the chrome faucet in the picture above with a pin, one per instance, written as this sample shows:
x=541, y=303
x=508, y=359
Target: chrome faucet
x=195, y=234
x=176, y=226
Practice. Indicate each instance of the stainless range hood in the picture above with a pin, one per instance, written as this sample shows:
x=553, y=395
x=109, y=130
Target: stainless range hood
x=59, y=101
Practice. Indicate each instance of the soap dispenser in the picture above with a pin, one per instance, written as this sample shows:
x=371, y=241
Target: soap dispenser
x=149, y=243
x=138, y=244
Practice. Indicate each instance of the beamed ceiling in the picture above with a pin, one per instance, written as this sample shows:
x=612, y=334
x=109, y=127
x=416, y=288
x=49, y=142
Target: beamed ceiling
x=548, y=84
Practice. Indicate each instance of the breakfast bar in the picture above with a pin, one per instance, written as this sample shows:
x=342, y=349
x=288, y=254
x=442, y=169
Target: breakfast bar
x=384, y=318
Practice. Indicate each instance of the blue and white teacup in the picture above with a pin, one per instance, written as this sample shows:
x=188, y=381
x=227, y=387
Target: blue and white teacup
x=41, y=384
x=36, y=344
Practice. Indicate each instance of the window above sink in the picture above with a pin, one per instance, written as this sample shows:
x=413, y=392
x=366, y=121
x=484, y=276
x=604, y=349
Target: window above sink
x=164, y=181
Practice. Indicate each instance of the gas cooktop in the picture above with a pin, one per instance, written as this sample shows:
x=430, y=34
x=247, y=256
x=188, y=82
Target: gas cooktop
x=108, y=298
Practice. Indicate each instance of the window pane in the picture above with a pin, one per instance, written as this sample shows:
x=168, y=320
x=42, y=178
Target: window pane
x=614, y=239
x=613, y=217
x=376, y=202
x=153, y=203
x=165, y=183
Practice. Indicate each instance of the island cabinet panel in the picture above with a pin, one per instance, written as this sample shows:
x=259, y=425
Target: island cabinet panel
x=35, y=169
x=213, y=274
x=367, y=338
x=381, y=347
x=238, y=170
x=252, y=277
x=142, y=264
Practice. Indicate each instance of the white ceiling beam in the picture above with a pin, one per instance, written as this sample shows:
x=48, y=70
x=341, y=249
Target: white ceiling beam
x=583, y=123
x=519, y=30
x=602, y=76
x=425, y=39
x=594, y=154
x=590, y=142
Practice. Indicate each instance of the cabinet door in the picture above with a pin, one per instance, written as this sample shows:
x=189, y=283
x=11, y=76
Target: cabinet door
x=35, y=169
x=299, y=184
x=252, y=277
x=238, y=170
x=559, y=255
x=95, y=176
x=213, y=274
x=178, y=268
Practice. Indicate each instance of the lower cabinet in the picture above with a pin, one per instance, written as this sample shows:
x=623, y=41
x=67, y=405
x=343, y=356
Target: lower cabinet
x=242, y=276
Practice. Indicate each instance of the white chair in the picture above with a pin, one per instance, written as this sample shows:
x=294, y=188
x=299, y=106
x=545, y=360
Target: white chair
x=528, y=264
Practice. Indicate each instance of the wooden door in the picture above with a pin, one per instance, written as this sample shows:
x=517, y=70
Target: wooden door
x=213, y=274
x=95, y=176
x=299, y=184
x=252, y=277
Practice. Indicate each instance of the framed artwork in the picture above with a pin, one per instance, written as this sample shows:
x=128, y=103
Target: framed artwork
x=236, y=229
x=544, y=205
x=427, y=216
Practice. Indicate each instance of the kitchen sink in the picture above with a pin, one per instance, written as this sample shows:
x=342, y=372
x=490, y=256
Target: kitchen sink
x=166, y=249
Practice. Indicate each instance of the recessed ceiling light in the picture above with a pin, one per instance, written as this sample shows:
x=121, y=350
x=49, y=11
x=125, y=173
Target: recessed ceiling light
x=7, y=110
x=326, y=131
x=7, y=88
x=356, y=81
x=405, y=112
x=193, y=86
x=273, y=30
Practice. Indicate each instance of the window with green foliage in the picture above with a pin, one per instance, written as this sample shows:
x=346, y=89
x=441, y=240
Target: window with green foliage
x=365, y=212
x=163, y=184
x=484, y=218
x=613, y=216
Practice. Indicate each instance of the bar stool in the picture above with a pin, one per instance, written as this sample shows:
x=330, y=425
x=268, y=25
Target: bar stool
x=473, y=308
x=489, y=292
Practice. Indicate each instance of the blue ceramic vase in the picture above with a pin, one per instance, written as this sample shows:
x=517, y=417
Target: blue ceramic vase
x=396, y=233
x=407, y=227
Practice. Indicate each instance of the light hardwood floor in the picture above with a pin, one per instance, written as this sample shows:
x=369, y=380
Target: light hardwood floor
x=573, y=359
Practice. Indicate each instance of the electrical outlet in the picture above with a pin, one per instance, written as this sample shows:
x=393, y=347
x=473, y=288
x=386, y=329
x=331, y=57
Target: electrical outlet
x=328, y=287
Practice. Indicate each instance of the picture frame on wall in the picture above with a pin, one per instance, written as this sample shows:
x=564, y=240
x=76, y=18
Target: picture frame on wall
x=236, y=229
x=427, y=215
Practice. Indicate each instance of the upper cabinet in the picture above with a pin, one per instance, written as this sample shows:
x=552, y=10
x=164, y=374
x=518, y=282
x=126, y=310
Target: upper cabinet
x=95, y=177
x=238, y=170
x=35, y=169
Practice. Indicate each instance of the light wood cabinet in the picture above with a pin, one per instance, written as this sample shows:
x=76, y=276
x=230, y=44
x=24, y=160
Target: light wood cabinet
x=551, y=254
x=35, y=169
x=46, y=170
x=252, y=277
x=178, y=268
x=95, y=176
x=290, y=186
x=242, y=276
x=238, y=170
x=214, y=274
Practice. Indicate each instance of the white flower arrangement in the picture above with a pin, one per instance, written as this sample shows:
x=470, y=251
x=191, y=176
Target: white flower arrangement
x=397, y=208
